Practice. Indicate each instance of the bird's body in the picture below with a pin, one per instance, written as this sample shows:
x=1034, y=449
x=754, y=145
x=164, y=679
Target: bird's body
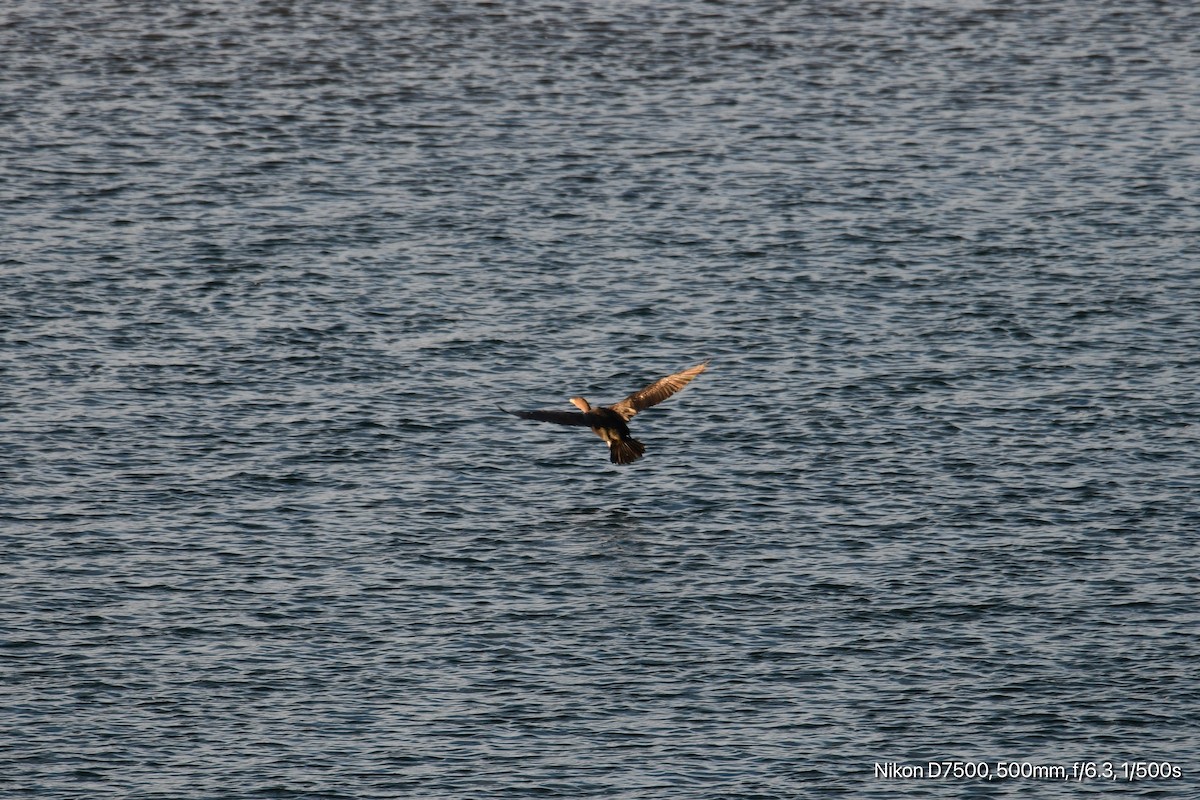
x=611, y=423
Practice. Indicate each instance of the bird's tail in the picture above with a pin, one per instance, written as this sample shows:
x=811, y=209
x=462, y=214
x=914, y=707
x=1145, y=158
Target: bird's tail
x=626, y=451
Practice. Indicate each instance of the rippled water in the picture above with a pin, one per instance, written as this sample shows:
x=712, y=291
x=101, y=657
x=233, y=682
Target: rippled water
x=267, y=268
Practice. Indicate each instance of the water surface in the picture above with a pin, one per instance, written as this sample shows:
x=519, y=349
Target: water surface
x=268, y=268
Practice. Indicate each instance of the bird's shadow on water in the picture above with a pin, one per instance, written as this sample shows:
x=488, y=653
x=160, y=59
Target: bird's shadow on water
x=615, y=522
x=608, y=507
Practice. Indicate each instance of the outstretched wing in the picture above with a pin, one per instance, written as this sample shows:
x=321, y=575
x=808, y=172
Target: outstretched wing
x=656, y=392
x=557, y=417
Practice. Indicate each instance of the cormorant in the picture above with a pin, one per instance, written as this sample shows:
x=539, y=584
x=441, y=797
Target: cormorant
x=610, y=422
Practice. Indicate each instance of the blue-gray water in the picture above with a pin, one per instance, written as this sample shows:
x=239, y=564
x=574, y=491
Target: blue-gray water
x=267, y=268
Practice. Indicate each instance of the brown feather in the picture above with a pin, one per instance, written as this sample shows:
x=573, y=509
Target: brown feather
x=608, y=422
x=557, y=417
x=625, y=451
x=656, y=392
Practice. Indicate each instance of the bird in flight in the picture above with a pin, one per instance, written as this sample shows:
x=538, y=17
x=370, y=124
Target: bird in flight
x=610, y=423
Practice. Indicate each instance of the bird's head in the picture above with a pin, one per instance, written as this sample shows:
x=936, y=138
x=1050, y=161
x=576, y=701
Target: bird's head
x=581, y=404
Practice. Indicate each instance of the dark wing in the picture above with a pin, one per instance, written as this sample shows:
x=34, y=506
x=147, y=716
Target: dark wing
x=557, y=417
x=656, y=392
